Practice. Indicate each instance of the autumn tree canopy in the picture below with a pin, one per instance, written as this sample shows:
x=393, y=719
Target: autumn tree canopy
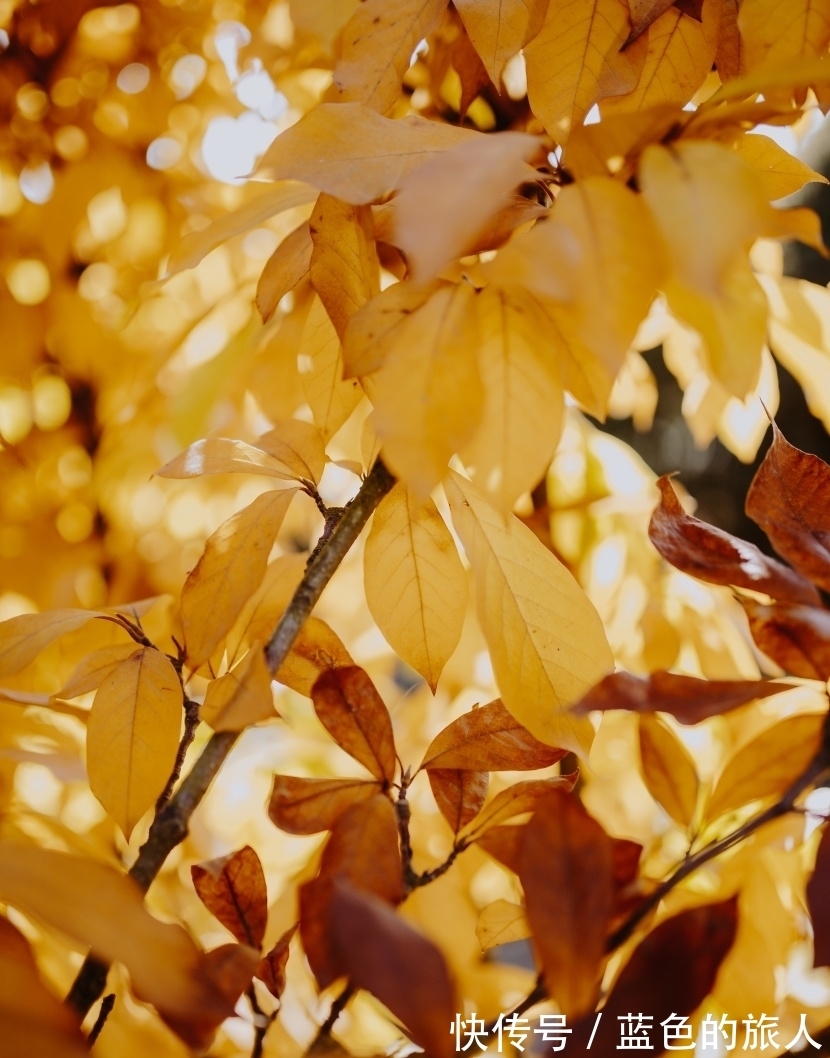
x=358, y=692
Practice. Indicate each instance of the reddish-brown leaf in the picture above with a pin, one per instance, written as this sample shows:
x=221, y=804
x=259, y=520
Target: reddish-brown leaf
x=566, y=868
x=489, y=739
x=504, y=844
x=625, y=857
x=686, y=698
x=796, y=637
x=353, y=713
x=233, y=889
x=818, y=902
x=380, y=952
x=703, y=551
x=671, y=972
x=517, y=799
x=271, y=967
x=307, y=806
x=790, y=499
x=459, y=794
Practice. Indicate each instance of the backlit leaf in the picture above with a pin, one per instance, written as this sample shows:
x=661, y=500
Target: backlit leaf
x=713, y=555
x=221, y=455
x=94, y=667
x=459, y=794
x=316, y=649
x=643, y=14
x=229, y=572
x=500, y=923
x=344, y=262
x=241, y=697
x=546, y=640
x=515, y=801
x=283, y=270
x=373, y=332
x=22, y=638
x=299, y=446
x=796, y=637
x=772, y=34
x=416, y=586
x=133, y=734
x=307, y=806
x=504, y=843
x=353, y=713
x=818, y=904
x=782, y=174
x=565, y=867
x=499, y=29
x=271, y=968
x=768, y=764
x=331, y=398
x=233, y=889
x=668, y=770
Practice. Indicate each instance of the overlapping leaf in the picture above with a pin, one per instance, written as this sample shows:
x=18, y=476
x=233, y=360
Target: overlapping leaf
x=233, y=889
x=344, y=262
x=353, y=713
x=307, y=806
x=668, y=770
x=242, y=696
x=459, y=793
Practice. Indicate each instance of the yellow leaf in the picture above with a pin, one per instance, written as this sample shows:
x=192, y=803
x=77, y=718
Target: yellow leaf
x=668, y=770
x=331, y=398
x=229, y=572
x=781, y=173
x=316, y=649
x=259, y=615
x=773, y=34
x=133, y=734
x=499, y=29
x=344, y=263
x=94, y=667
x=373, y=331
x=222, y=455
x=242, y=696
x=323, y=18
x=416, y=586
x=377, y=46
x=22, y=638
x=348, y=150
x=523, y=398
x=428, y=396
x=297, y=445
x=575, y=61
x=516, y=800
x=501, y=923
x=768, y=764
x=475, y=180
x=283, y=270
x=546, y=640
x=678, y=60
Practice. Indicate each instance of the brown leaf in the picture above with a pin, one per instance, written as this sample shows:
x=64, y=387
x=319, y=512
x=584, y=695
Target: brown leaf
x=380, y=952
x=517, y=799
x=796, y=637
x=271, y=967
x=283, y=270
x=233, y=889
x=489, y=739
x=703, y=551
x=671, y=972
x=686, y=698
x=790, y=499
x=566, y=870
x=307, y=806
x=626, y=860
x=353, y=713
x=818, y=902
x=504, y=844
x=460, y=795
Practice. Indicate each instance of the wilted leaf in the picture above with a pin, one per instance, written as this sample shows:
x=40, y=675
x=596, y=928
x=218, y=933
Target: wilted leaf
x=499, y=29
x=382, y=953
x=565, y=867
x=133, y=735
x=687, y=698
x=377, y=46
x=459, y=794
x=316, y=649
x=344, y=262
x=242, y=696
x=22, y=638
x=668, y=770
x=416, y=586
x=348, y=150
x=818, y=904
x=768, y=765
x=222, y=455
x=796, y=637
x=299, y=446
x=271, y=968
x=500, y=923
x=283, y=270
x=715, y=556
x=517, y=799
x=670, y=973
x=353, y=713
x=233, y=889
x=489, y=739
x=307, y=806
x=229, y=572
x=546, y=640
x=92, y=669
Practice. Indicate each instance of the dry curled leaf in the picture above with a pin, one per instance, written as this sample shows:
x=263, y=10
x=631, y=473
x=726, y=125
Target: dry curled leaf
x=233, y=889
x=307, y=806
x=353, y=713
x=460, y=795
x=271, y=967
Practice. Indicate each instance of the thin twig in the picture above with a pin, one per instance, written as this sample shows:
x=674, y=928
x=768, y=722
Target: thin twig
x=107, y=1004
x=262, y=1022
x=170, y=826
x=191, y=723
x=337, y=1008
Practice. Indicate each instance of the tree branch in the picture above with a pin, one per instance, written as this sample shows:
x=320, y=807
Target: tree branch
x=169, y=828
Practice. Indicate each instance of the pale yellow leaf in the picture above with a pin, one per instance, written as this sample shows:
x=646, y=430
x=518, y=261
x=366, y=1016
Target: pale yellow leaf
x=500, y=923
x=547, y=644
x=242, y=696
x=444, y=205
x=229, y=572
x=523, y=397
x=323, y=18
x=575, y=61
x=283, y=270
x=316, y=649
x=222, y=455
x=258, y=617
x=499, y=29
x=133, y=734
x=781, y=172
x=332, y=398
x=94, y=667
x=428, y=396
x=773, y=33
x=668, y=770
x=44, y=701
x=350, y=151
x=344, y=263
x=22, y=638
x=297, y=445
x=377, y=46
x=416, y=586
x=372, y=332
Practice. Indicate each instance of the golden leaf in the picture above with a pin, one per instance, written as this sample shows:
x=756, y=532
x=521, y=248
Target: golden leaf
x=92, y=669
x=516, y=800
x=416, y=586
x=297, y=445
x=133, y=735
x=241, y=697
x=344, y=262
x=307, y=806
x=668, y=770
x=781, y=173
x=372, y=333
x=546, y=640
x=316, y=650
x=773, y=34
x=331, y=398
x=22, y=638
x=283, y=270
x=500, y=923
x=222, y=455
x=499, y=29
